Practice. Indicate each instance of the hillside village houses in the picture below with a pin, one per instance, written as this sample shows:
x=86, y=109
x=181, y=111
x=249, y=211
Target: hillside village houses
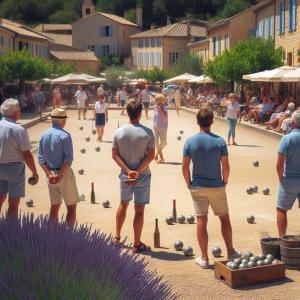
x=16, y=37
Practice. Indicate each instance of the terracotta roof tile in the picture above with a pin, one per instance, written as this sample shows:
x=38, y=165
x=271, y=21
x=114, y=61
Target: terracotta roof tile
x=173, y=30
x=74, y=55
x=21, y=29
x=61, y=39
x=53, y=27
x=115, y=18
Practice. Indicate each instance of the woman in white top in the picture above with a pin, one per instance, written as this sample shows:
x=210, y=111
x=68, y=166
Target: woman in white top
x=232, y=115
x=100, y=116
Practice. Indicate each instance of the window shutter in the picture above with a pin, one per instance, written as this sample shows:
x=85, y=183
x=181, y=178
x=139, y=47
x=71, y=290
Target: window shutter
x=111, y=50
x=110, y=30
x=294, y=21
x=282, y=14
x=170, y=58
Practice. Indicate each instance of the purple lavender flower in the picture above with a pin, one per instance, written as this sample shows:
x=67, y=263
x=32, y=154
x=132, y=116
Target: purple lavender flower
x=42, y=260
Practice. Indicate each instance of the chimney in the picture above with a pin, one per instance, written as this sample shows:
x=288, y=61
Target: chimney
x=188, y=29
x=139, y=15
x=169, y=20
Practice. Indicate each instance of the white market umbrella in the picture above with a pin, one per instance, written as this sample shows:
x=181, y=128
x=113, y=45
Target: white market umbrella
x=292, y=76
x=181, y=78
x=77, y=79
x=201, y=79
x=275, y=75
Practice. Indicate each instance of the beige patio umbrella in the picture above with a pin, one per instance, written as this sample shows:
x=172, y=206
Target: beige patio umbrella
x=77, y=79
x=275, y=75
x=292, y=76
x=201, y=79
x=183, y=78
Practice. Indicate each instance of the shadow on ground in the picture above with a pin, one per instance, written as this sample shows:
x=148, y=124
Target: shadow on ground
x=169, y=256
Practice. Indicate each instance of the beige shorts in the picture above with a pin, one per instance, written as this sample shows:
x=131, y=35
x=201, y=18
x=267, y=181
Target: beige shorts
x=215, y=197
x=65, y=189
x=80, y=105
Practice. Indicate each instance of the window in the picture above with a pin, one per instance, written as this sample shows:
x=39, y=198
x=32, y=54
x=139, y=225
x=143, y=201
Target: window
x=158, y=42
x=173, y=57
x=152, y=59
x=214, y=46
x=140, y=59
x=146, y=59
x=289, y=58
x=292, y=15
x=271, y=26
x=146, y=43
x=141, y=43
x=152, y=42
x=158, y=59
x=88, y=11
x=219, y=44
x=281, y=17
x=225, y=41
x=106, y=31
x=105, y=50
x=20, y=46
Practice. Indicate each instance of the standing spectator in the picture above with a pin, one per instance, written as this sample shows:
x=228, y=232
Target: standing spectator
x=232, y=115
x=56, y=98
x=40, y=100
x=100, y=91
x=109, y=98
x=14, y=150
x=122, y=98
x=160, y=125
x=117, y=96
x=177, y=96
x=209, y=155
x=133, y=150
x=146, y=94
x=23, y=101
x=189, y=95
x=288, y=170
x=100, y=116
x=81, y=98
x=56, y=157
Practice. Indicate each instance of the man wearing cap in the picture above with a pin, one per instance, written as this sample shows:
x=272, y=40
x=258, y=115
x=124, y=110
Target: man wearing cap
x=14, y=151
x=56, y=157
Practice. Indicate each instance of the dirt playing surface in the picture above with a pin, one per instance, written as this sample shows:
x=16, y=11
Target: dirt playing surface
x=188, y=280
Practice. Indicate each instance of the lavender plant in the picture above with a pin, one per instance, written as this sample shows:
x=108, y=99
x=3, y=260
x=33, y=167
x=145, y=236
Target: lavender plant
x=43, y=261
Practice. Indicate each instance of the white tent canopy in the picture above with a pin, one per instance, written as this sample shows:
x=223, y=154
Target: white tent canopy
x=275, y=75
x=181, y=78
x=292, y=76
x=201, y=79
x=77, y=79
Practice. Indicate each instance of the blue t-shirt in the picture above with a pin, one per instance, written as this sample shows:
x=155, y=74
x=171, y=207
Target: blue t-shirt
x=206, y=151
x=290, y=148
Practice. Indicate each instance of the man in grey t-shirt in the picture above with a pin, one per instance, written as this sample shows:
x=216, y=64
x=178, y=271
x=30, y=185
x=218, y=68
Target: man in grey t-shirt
x=133, y=150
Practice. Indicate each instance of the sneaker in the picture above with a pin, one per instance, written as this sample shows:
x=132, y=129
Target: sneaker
x=235, y=254
x=202, y=263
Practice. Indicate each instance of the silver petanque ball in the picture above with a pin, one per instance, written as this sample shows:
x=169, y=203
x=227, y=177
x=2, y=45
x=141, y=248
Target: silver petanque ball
x=275, y=261
x=251, y=219
x=237, y=260
x=178, y=245
x=83, y=151
x=233, y=266
x=253, y=259
x=188, y=251
x=260, y=263
x=106, y=204
x=81, y=128
x=256, y=163
x=88, y=139
x=82, y=197
x=266, y=191
x=179, y=138
x=97, y=149
x=243, y=266
x=190, y=219
x=216, y=251
x=251, y=264
x=249, y=191
x=267, y=261
x=247, y=254
x=181, y=131
x=261, y=256
x=181, y=219
x=29, y=203
x=270, y=257
x=244, y=261
x=81, y=172
x=169, y=220
x=255, y=188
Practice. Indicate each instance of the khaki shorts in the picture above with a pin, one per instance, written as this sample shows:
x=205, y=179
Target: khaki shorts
x=65, y=189
x=215, y=197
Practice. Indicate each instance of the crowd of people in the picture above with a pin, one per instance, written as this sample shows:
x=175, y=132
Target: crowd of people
x=135, y=146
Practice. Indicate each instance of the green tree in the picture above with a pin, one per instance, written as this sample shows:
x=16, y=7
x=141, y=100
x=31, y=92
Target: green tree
x=247, y=57
x=64, y=17
x=153, y=75
x=188, y=63
x=114, y=76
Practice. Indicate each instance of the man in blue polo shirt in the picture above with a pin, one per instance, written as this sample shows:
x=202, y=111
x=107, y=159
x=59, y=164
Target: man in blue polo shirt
x=209, y=155
x=288, y=170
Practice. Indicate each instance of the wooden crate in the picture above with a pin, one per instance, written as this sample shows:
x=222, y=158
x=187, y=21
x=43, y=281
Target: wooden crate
x=251, y=276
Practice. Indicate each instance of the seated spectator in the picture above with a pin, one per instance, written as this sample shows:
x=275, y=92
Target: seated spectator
x=286, y=125
x=259, y=115
x=256, y=109
x=278, y=111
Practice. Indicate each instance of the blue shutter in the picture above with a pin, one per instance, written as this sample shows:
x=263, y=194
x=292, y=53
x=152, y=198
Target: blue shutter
x=110, y=30
x=282, y=16
x=294, y=10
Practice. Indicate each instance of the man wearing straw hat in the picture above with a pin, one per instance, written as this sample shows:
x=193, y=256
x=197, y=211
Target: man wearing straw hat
x=56, y=157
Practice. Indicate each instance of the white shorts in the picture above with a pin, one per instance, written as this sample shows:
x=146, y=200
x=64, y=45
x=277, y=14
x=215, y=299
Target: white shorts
x=80, y=105
x=65, y=189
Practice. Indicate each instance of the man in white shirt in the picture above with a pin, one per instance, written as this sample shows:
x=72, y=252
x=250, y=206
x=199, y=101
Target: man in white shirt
x=81, y=98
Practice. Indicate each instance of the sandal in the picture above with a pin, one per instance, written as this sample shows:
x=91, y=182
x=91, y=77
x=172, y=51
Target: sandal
x=116, y=240
x=140, y=248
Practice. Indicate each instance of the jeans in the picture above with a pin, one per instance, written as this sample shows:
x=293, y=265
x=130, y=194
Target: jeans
x=232, y=126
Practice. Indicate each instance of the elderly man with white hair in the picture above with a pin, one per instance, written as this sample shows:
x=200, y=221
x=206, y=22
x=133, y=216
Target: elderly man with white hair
x=14, y=151
x=288, y=170
x=56, y=157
